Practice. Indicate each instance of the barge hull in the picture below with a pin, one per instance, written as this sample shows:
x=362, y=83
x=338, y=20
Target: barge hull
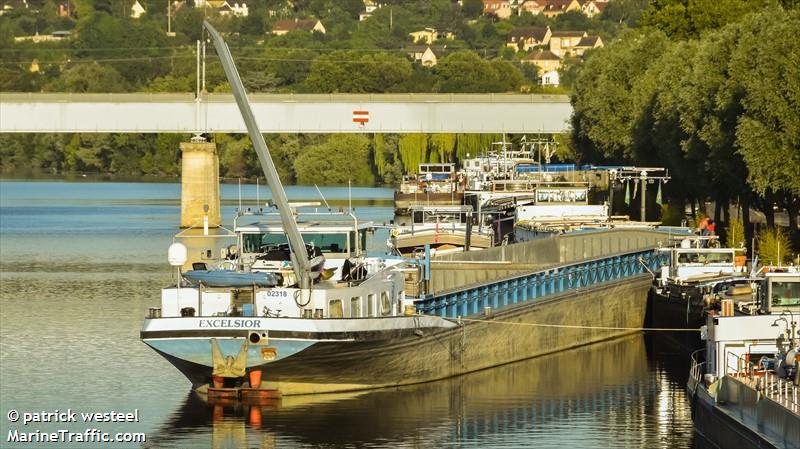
x=672, y=313
x=335, y=366
x=732, y=423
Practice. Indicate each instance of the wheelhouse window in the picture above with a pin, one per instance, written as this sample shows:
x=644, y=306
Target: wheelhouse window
x=371, y=305
x=355, y=307
x=335, y=308
x=386, y=306
x=705, y=257
x=328, y=243
x=255, y=243
x=785, y=293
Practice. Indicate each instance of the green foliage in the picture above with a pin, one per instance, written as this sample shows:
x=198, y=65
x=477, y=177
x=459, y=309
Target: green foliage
x=465, y=71
x=343, y=158
x=571, y=21
x=413, y=149
x=767, y=66
x=170, y=83
x=773, y=247
x=378, y=154
x=603, y=100
x=734, y=233
x=473, y=145
x=101, y=36
x=237, y=158
x=472, y=8
x=626, y=12
x=568, y=72
x=90, y=77
x=284, y=149
x=683, y=19
x=671, y=215
x=442, y=146
x=349, y=71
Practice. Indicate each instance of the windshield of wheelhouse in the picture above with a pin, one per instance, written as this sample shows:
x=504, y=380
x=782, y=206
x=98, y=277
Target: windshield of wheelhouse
x=328, y=243
x=785, y=293
x=705, y=257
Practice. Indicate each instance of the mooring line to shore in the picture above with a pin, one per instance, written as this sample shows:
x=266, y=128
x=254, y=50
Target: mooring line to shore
x=574, y=326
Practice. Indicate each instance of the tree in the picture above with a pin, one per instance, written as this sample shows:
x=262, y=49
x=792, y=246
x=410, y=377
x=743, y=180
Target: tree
x=252, y=25
x=734, y=234
x=768, y=133
x=603, y=102
x=442, y=146
x=472, y=8
x=413, y=149
x=508, y=77
x=774, y=247
x=90, y=77
x=658, y=138
x=465, y=71
x=385, y=158
x=284, y=149
x=349, y=71
x=170, y=83
x=684, y=19
x=767, y=67
x=101, y=36
x=571, y=21
x=626, y=12
x=343, y=158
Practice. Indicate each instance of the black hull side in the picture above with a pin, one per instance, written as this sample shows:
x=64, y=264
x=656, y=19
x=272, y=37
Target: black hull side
x=719, y=429
x=672, y=313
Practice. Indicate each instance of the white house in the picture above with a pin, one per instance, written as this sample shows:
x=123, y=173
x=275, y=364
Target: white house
x=550, y=78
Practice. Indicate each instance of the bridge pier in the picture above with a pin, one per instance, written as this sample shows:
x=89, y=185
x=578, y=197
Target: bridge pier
x=199, y=184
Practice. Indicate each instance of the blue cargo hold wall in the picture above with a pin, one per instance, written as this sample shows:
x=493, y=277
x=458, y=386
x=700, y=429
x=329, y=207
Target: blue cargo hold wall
x=523, y=288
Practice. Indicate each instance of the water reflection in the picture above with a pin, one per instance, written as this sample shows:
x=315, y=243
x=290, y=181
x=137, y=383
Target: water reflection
x=600, y=395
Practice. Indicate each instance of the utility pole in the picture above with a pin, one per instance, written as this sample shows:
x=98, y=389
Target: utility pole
x=643, y=181
x=169, y=19
x=203, y=82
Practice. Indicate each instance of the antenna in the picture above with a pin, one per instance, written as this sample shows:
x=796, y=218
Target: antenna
x=301, y=265
x=323, y=197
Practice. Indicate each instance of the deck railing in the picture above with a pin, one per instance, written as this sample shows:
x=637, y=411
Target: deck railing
x=518, y=289
x=782, y=391
x=697, y=367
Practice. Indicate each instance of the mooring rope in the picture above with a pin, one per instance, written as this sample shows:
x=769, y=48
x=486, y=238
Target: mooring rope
x=575, y=326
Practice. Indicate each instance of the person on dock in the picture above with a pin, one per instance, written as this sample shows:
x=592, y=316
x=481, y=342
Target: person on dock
x=704, y=231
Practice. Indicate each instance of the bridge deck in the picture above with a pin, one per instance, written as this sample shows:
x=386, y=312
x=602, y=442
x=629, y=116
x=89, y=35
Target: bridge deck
x=281, y=113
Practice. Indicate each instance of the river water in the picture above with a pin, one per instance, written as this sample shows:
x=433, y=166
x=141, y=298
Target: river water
x=81, y=262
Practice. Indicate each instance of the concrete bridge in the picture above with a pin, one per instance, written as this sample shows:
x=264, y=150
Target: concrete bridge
x=284, y=113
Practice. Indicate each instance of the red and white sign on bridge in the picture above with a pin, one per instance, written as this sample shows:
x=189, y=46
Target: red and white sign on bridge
x=361, y=117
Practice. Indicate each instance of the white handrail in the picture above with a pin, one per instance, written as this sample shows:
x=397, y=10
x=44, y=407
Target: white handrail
x=780, y=390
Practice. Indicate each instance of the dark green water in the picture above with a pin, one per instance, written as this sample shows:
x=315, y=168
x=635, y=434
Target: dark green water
x=80, y=263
